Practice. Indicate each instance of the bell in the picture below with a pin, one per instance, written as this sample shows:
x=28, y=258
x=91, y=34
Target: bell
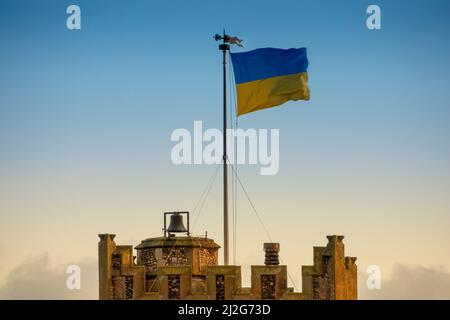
x=176, y=223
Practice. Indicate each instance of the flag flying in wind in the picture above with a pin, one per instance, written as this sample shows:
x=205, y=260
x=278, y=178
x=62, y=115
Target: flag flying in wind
x=269, y=77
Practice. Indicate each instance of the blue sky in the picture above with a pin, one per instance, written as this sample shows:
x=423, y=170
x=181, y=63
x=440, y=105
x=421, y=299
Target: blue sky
x=149, y=61
x=86, y=118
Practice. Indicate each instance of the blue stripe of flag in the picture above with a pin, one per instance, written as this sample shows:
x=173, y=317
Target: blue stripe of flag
x=267, y=63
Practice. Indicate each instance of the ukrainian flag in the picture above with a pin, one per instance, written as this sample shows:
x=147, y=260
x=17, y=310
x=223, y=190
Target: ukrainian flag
x=269, y=77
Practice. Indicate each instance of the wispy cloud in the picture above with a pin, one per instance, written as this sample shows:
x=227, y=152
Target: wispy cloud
x=410, y=283
x=37, y=279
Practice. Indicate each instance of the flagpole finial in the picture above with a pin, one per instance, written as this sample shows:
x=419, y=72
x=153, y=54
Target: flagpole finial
x=228, y=39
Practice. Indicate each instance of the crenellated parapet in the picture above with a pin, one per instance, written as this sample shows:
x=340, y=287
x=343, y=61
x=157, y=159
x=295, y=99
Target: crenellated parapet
x=332, y=276
x=187, y=268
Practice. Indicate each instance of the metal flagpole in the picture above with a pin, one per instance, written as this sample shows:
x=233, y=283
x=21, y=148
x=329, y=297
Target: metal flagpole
x=224, y=46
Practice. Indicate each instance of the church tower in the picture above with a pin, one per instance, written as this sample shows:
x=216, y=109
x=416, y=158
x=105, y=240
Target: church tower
x=185, y=267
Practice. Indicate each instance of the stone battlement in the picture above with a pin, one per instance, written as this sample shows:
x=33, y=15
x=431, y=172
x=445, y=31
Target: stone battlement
x=187, y=268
